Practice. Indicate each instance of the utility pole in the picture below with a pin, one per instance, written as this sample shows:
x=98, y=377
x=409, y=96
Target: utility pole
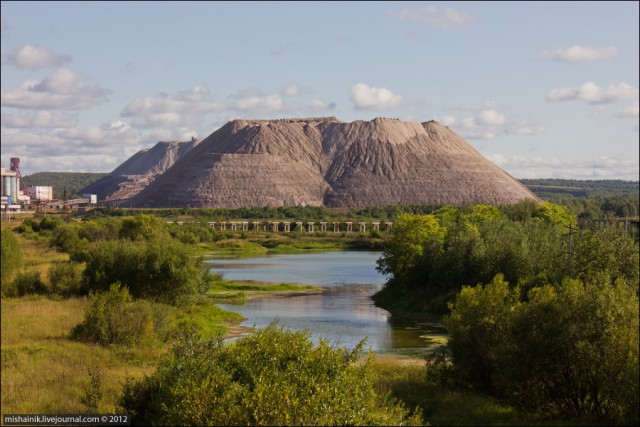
x=571, y=232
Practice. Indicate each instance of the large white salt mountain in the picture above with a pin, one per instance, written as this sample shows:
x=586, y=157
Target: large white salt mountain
x=325, y=162
x=139, y=170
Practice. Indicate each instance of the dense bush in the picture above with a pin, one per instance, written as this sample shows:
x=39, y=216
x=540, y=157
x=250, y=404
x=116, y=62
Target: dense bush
x=11, y=257
x=66, y=279
x=113, y=317
x=570, y=349
x=605, y=252
x=161, y=269
x=271, y=377
x=27, y=283
x=66, y=238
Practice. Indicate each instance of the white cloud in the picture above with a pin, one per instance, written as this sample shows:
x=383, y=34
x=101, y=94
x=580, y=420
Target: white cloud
x=474, y=107
x=34, y=57
x=63, y=89
x=39, y=119
x=66, y=163
x=94, y=149
x=593, y=93
x=524, y=129
x=320, y=105
x=577, y=53
x=444, y=18
x=291, y=90
x=448, y=120
x=257, y=103
x=630, y=112
x=490, y=118
x=487, y=123
x=186, y=108
x=538, y=167
x=367, y=97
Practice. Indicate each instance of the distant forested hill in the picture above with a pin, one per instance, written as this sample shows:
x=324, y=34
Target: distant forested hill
x=587, y=188
x=73, y=181
x=590, y=198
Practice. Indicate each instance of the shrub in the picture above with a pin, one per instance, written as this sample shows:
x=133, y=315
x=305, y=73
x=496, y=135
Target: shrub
x=160, y=269
x=574, y=349
x=92, y=390
x=66, y=279
x=570, y=349
x=66, y=238
x=11, y=256
x=272, y=377
x=112, y=317
x=28, y=283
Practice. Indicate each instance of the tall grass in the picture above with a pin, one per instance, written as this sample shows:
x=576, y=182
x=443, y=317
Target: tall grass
x=44, y=371
x=446, y=406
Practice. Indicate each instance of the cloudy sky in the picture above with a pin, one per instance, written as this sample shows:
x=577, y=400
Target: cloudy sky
x=544, y=90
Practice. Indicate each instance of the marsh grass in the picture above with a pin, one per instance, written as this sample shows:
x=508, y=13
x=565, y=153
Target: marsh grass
x=258, y=286
x=209, y=320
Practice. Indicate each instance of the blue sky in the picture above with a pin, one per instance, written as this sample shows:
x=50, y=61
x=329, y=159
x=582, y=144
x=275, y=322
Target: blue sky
x=543, y=89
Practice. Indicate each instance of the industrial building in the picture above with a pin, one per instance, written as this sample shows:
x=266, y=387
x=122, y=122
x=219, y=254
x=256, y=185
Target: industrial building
x=13, y=195
x=40, y=193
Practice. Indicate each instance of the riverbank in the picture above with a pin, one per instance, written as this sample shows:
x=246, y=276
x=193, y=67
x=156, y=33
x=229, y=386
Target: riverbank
x=414, y=304
x=241, y=291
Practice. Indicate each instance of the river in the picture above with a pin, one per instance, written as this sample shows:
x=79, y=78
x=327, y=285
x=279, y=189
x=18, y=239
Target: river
x=344, y=313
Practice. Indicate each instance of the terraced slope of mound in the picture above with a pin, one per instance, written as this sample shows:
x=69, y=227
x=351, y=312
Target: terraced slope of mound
x=331, y=163
x=139, y=170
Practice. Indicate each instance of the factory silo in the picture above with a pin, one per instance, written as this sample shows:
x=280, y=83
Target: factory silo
x=6, y=185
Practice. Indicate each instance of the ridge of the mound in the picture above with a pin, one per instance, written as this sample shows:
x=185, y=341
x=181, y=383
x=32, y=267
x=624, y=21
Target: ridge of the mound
x=140, y=170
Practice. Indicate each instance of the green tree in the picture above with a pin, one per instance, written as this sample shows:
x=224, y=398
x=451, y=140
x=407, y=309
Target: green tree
x=477, y=324
x=409, y=236
x=607, y=252
x=141, y=227
x=555, y=214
